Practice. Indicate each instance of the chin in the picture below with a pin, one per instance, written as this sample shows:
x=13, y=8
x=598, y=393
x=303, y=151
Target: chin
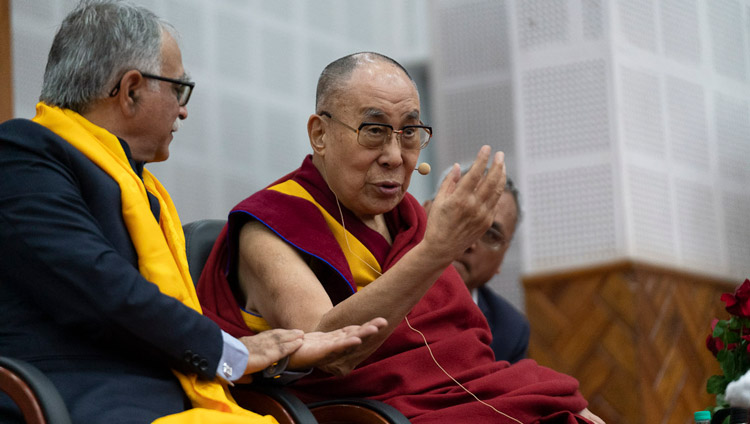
x=160, y=157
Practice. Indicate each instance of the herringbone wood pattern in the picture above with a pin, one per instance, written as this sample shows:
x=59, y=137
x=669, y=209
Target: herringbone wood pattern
x=633, y=335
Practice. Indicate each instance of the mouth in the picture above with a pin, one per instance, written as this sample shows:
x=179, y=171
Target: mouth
x=388, y=187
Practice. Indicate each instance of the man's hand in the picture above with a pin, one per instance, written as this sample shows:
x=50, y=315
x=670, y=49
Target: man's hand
x=270, y=346
x=464, y=207
x=306, y=350
x=591, y=417
x=321, y=348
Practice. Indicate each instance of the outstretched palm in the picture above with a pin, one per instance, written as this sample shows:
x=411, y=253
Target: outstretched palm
x=319, y=348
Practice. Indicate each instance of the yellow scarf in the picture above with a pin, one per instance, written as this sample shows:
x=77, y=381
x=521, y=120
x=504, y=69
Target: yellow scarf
x=160, y=247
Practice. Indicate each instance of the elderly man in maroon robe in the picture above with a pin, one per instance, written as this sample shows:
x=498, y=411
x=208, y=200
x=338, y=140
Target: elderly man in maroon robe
x=340, y=241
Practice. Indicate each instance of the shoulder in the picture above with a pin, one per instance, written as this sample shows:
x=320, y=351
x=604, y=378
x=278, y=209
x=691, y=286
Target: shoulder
x=499, y=307
x=23, y=128
x=26, y=136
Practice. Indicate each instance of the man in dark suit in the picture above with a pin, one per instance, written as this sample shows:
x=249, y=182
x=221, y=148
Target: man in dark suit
x=94, y=285
x=480, y=262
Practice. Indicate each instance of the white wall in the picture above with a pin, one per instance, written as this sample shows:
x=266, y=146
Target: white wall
x=255, y=64
x=627, y=124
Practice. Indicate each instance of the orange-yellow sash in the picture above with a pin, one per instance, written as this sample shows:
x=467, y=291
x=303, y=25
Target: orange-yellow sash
x=160, y=247
x=362, y=263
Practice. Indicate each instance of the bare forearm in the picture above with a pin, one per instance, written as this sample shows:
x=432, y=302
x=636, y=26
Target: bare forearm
x=391, y=296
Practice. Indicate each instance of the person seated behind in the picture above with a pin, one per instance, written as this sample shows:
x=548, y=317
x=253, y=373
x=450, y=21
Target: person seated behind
x=339, y=240
x=96, y=291
x=480, y=262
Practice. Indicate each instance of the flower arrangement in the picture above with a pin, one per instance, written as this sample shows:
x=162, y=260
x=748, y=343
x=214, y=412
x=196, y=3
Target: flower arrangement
x=729, y=341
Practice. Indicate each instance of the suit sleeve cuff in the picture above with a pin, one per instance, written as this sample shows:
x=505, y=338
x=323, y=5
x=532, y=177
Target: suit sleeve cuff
x=234, y=357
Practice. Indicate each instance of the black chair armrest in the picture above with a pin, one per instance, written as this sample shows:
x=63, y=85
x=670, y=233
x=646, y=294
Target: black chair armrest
x=273, y=400
x=340, y=410
x=33, y=392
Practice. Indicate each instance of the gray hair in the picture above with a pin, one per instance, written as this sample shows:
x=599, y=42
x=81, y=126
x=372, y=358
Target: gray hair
x=96, y=44
x=510, y=187
x=334, y=77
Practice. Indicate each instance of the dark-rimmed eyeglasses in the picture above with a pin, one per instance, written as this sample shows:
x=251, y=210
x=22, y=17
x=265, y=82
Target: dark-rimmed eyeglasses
x=493, y=239
x=183, y=89
x=374, y=135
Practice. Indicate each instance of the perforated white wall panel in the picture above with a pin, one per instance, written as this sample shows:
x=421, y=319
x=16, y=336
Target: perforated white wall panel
x=728, y=35
x=641, y=112
x=737, y=231
x=568, y=108
x=481, y=115
x=679, y=24
x=593, y=19
x=542, y=22
x=687, y=123
x=472, y=35
x=571, y=216
x=653, y=223
x=698, y=225
x=732, y=120
x=638, y=22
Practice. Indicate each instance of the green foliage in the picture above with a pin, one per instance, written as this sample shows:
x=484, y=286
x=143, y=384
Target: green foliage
x=734, y=360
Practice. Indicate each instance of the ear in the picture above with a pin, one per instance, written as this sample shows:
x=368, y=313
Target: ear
x=316, y=131
x=131, y=84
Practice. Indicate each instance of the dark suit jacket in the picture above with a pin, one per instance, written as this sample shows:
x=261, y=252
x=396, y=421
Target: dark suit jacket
x=510, y=328
x=72, y=301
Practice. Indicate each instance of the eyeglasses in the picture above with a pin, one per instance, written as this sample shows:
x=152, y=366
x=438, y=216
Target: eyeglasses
x=493, y=239
x=373, y=135
x=183, y=89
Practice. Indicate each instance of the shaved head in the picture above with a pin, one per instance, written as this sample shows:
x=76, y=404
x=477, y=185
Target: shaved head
x=335, y=76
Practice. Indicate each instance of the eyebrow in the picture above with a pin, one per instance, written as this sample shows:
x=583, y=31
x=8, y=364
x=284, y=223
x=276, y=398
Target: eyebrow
x=373, y=113
x=378, y=113
x=414, y=114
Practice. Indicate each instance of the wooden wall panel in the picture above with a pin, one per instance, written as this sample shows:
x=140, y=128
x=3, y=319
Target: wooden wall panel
x=633, y=334
x=6, y=62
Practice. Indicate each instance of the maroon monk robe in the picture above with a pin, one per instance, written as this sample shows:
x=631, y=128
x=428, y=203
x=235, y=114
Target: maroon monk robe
x=401, y=372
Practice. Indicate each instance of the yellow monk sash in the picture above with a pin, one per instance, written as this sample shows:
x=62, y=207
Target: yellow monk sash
x=362, y=263
x=160, y=247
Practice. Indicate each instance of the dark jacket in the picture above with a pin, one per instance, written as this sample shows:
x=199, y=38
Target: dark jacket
x=72, y=301
x=510, y=328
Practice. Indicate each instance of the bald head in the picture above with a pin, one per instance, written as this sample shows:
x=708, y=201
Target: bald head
x=334, y=78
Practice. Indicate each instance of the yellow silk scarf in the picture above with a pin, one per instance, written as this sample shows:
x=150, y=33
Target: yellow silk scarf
x=160, y=248
x=362, y=263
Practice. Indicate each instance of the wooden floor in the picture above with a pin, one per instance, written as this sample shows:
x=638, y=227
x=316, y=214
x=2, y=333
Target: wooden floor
x=634, y=335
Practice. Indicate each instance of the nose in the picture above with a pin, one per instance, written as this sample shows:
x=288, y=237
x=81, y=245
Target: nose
x=183, y=112
x=472, y=247
x=390, y=156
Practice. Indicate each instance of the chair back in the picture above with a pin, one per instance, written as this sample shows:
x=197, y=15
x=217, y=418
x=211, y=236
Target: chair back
x=200, y=237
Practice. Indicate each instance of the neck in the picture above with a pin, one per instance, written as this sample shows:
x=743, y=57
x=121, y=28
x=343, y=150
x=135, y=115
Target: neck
x=103, y=114
x=378, y=224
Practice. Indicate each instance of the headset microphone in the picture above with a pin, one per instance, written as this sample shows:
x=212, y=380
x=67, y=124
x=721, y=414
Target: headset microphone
x=423, y=168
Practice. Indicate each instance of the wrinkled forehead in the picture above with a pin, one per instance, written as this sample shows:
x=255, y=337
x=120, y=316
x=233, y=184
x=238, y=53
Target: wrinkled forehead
x=377, y=85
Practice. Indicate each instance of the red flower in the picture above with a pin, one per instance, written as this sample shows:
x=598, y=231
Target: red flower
x=738, y=304
x=714, y=344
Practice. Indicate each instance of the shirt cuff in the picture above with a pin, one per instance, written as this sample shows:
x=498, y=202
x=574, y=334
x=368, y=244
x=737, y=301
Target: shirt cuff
x=234, y=357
